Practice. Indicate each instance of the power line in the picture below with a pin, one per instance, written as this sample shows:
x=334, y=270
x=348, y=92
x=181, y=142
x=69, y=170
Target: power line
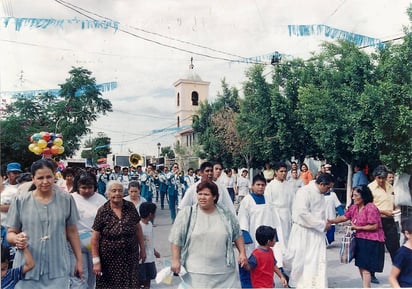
x=151, y=133
x=156, y=34
x=76, y=9
x=142, y=114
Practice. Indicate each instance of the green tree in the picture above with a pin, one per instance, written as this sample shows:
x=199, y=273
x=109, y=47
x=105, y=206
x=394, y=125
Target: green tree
x=214, y=127
x=254, y=123
x=96, y=148
x=71, y=114
x=391, y=100
x=292, y=138
x=330, y=100
x=167, y=152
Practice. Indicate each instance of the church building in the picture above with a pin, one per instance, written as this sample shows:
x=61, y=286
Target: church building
x=190, y=91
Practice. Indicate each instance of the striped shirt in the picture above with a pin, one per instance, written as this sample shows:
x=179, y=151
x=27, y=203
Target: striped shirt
x=12, y=277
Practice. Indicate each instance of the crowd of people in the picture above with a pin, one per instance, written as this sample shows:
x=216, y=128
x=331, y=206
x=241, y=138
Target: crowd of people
x=93, y=228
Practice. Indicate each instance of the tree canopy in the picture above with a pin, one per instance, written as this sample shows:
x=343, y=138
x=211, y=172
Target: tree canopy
x=96, y=148
x=343, y=104
x=71, y=113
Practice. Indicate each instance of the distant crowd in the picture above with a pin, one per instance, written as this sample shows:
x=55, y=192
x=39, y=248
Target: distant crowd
x=67, y=227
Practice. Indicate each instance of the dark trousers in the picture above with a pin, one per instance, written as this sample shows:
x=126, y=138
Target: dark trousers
x=232, y=194
x=391, y=236
x=172, y=204
x=162, y=199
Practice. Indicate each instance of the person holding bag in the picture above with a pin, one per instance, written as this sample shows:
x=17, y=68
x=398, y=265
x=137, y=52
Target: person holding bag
x=202, y=240
x=370, y=239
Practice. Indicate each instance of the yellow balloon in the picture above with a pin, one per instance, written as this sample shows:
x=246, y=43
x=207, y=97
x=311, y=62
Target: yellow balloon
x=42, y=143
x=37, y=150
x=31, y=147
x=61, y=150
x=58, y=141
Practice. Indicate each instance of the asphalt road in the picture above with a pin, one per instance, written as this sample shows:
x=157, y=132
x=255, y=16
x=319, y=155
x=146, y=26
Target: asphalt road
x=339, y=275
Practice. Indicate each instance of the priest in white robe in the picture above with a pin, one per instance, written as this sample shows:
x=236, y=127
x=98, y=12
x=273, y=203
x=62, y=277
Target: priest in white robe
x=307, y=259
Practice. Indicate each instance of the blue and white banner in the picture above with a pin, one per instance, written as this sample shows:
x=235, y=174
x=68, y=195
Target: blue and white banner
x=170, y=129
x=334, y=33
x=43, y=23
x=103, y=87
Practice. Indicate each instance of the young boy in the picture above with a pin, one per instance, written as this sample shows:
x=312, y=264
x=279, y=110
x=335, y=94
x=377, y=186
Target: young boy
x=9, y=277
x=401, y=274
x=262, y=262
x=147, y=270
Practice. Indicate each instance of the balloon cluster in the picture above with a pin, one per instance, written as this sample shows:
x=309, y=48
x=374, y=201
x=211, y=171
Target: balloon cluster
x=46, y=143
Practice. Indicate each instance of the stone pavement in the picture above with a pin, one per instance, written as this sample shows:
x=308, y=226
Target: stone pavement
x=339, y=275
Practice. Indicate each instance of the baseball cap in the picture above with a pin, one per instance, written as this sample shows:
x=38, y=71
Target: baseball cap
x=13, y=167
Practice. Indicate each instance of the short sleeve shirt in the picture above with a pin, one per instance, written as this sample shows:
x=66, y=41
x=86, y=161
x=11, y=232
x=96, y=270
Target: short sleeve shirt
x=403, y=261
x=367, y=216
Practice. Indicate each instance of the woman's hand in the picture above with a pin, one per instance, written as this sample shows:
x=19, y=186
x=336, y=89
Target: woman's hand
x=175, y=266
x=78, y=269
x=21, y=240
x=97, y=269
x=242, y=260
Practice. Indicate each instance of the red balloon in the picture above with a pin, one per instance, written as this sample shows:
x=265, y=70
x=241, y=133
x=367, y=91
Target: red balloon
x=46, y=136
x=46, y=151
x=59, y=135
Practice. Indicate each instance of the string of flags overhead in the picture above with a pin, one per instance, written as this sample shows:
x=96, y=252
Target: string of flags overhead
x=42, y=23
x=103, y=87
x=333, y=33
x=293, y=30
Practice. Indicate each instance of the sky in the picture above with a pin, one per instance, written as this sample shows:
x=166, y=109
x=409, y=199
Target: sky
x=150, y=44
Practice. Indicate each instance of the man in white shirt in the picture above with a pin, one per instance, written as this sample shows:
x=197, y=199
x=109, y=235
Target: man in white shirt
x=190, y=197
x=124, y=179
x=13, y=171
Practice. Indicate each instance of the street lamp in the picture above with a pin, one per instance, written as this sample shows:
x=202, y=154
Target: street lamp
x=158, y=152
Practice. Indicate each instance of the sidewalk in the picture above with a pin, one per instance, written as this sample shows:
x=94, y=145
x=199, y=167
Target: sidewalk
x=339, y=275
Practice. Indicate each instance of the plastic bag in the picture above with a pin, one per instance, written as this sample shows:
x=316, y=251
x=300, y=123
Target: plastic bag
x=347, y=249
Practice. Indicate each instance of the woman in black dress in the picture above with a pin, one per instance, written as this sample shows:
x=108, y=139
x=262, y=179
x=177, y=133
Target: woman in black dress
x=116, y=240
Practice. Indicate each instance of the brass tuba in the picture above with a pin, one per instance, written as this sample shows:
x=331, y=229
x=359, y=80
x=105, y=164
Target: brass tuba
x=135, y=160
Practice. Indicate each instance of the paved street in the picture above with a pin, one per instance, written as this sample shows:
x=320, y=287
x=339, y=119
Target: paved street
x=340, y=275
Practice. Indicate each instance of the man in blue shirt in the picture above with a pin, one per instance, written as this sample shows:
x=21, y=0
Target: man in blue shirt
x=359, y=177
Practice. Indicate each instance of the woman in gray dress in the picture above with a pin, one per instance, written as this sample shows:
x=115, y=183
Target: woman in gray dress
x=202, y=241
x=45, y=219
